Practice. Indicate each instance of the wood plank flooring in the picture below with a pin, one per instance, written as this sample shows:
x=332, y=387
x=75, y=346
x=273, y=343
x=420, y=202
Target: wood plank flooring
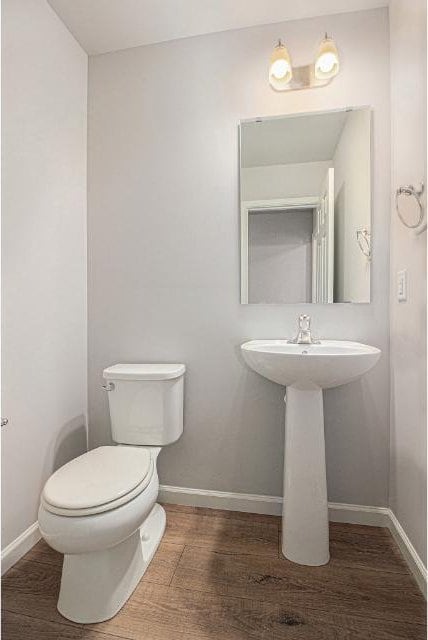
x=220, y=575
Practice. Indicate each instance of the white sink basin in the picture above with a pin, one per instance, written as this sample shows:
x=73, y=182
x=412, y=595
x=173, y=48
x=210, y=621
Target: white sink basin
x=305, y=370
x=328, y=364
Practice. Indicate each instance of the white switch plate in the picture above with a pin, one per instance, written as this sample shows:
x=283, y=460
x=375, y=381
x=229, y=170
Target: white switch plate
x=402, y=285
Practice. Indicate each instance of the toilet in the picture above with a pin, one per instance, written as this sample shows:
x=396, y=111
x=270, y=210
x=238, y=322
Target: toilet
x=100, y=509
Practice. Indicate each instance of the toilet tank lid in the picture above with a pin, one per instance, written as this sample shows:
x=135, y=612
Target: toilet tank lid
x=144, y=371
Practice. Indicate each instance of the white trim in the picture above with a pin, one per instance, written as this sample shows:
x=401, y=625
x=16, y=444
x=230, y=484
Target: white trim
x=272, y=505
x=302, y=202
x=19, y=547
x=244, y=255
x=358, y=514
x=409, y=552
x=246, y=502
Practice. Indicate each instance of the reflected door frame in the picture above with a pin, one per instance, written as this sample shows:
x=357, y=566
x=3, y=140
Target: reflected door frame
x=323, y=244
x=281, y=204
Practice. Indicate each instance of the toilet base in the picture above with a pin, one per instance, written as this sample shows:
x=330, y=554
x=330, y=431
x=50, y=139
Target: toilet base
x=96, y=585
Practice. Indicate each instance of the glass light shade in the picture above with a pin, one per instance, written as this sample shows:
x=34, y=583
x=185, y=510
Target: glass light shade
x=327, y=60
x=280, y=71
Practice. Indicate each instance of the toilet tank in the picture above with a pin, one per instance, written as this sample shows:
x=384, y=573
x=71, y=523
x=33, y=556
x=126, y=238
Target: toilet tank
x=146, y=402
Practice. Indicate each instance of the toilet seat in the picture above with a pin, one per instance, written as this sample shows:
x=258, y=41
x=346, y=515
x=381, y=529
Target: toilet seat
x=98, y=481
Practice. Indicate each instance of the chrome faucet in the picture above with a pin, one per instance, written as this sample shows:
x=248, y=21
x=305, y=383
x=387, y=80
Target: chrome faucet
x=304, y=335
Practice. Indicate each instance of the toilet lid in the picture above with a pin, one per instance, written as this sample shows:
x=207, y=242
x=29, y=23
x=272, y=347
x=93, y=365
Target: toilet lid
x=101, y=476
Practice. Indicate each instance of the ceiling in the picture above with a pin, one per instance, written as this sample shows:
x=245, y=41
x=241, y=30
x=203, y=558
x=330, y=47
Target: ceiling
x=102, y=26
x=291, y=140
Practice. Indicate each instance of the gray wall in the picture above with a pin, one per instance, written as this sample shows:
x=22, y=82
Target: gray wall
x=44, y=356
x=352, y=178
x=408, y=251
x=280, y=256
x=164, y=250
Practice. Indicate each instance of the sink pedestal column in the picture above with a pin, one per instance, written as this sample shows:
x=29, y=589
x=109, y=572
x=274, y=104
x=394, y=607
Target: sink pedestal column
x=305, y=537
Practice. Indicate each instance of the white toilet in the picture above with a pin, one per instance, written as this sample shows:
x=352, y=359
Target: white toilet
x=100, y=509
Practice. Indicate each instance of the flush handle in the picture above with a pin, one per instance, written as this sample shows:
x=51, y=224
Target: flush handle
x=4, y=422
x=108, y=387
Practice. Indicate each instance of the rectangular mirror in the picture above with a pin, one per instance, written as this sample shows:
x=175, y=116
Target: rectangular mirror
x=306, y=208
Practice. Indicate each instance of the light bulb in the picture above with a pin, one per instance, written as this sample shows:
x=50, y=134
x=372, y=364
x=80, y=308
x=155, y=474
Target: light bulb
x=280, y=70
x=327, y=60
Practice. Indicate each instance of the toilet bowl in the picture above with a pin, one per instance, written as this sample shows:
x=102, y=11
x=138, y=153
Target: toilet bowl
x=100, y=509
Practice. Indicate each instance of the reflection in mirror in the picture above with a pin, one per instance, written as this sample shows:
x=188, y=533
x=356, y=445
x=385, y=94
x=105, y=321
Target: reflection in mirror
x=305, y=208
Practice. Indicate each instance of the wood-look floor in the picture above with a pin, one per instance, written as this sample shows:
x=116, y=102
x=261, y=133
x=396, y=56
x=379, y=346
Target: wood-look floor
x=220, y=575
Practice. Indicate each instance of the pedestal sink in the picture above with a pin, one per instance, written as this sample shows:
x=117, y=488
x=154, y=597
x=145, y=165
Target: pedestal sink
x=307, y=369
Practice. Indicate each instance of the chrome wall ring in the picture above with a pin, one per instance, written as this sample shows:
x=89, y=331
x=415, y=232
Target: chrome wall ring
x=410, y=191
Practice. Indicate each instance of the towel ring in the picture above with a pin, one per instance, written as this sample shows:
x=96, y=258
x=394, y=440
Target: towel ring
x=409, y=190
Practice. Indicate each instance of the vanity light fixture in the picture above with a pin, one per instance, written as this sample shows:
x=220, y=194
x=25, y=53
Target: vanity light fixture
x=284, y=77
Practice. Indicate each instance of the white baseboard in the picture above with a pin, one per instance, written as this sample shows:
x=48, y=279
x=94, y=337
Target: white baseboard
x=358, y=514
x=19, y=547
x=251, y=503
x=272, y=505
x=409, y=552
